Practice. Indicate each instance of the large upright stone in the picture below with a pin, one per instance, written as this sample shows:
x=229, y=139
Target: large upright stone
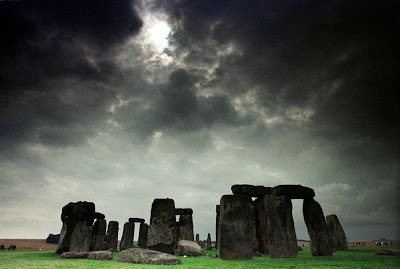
x=112, y=235
x=127, y=236
x=235, y=238
x=82, y=213
x=281, y=234
x=185, y=228
x=261, y=226
x=143, y=231
x=293, y=191
x=336, y=233
x=81, y=237
x=250, y=190
x=162, y=230
x=209, y=245
x=99, y=235
x=216, y=225
x=315, y=221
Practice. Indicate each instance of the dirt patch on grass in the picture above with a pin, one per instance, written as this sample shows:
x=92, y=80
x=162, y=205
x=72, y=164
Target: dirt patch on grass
x=27, y=244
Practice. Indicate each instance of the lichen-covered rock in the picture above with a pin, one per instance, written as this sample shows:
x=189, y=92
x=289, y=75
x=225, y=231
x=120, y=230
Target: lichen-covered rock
x=147, y=256
x=336, y=233
x=189, y=248
x=100, y=255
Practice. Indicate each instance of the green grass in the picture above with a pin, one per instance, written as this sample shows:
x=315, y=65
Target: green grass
x=355, y=257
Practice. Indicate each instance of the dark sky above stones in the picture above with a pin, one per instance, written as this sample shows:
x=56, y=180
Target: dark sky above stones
x=96, y=104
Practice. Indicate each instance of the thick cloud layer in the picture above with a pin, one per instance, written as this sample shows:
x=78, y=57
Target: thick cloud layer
x=251, y=92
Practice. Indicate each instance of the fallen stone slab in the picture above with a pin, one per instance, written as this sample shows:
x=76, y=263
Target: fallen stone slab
x=100, y=255
x=74, y=255
x=395, y=252
x=146, y=256
x=189, y=248
x=293, y=191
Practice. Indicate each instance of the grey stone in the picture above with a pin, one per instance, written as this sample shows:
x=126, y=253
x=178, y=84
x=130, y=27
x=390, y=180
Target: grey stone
x=143, y=231
x=281, y=234
x=81, y=237
x=183, y=211
x=74, y=255
x=185, y=225
x=112, y=235
x=394, y=252
x=236, y=238
x=100, y=255
x=208, y=245
x=251, y=190
x=197, y=238
x=139, y=220
x=261, y=226
x=189, y=248
x=216, y=225
x=162, y=229
x=315, y=221
x=293, y=191
x=146, y=256
x=98, y=215
x=336, y=233
x=127, y=236
x=98, y=235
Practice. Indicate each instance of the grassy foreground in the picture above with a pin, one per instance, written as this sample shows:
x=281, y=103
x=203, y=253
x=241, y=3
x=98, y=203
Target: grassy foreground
x=355, y=257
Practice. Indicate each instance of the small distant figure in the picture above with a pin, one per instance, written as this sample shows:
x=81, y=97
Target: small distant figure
x=13, y=247
x=2, y=247
x=377, y=243
x=303, y=245
x=358, y=244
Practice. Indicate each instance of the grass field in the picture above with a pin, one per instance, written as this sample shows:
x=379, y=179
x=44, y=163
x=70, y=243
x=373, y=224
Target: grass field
x=355, y=257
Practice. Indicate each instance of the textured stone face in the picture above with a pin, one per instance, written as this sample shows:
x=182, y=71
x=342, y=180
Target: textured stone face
x=72, y=214
x=216, y=225
x=281, y=234
x=261, y=226
x=146, y=256
x=143, y=231
x=183, y=211
x=293, y=191
x=315, y=221
x=112, y=235
x=185, y=228
x=81, y=238
x=250, y=190
x=189, y=248
x=98, y=236
x=236, y=236
x=336, y=233
x=127, y=236
x=162, y=230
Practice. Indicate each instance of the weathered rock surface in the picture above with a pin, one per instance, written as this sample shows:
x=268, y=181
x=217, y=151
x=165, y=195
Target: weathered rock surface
x=99, y=235
x=251, y=190
x=209, y=245
x=321, y=244
x=81, y=237
x=127, y=236
x=162, y=229
x=100, y=255
x=236, y=238
x=139, y=220
x=336, y=233
x=261, y=226
x=189, y=248
x=143, y=231
x=98, y=215
x=183, y=211
x=74, y=255
x=281, y=234
x=146, y=256
x=293, y=191
x=112, y=235
x=185, y=230
x=216, y=225
x=395, y=252
x=72, y=214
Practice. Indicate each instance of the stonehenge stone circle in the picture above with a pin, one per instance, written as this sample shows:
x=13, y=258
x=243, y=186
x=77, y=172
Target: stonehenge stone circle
x=127, y=236
x=112, y=235
x=336, y=233
x=280, y=226
x=162, y=229
x=235, y=238
x=317, y=229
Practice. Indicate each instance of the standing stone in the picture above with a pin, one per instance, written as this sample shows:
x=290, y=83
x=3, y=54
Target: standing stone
x=261, y=226
x=81, y=238
x=197, y=238
x=112, y=235
x=185, y=228
x=127, y=236
x=281, y=234
x=143, y=231
x=72, y=214
x=162, y=229
x=336, y=233
x=235, y=238
x=317, y=229
x=216, y=225
x=99, y=235
x=209, y=245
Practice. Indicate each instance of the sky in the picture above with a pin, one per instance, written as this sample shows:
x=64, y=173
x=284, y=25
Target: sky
x=122, y=102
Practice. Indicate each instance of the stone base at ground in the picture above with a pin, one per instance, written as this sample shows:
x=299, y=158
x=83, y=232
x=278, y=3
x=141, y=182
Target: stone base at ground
x=189, y=248
x=100, y=255
x=146, y=256
x=74, y=255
